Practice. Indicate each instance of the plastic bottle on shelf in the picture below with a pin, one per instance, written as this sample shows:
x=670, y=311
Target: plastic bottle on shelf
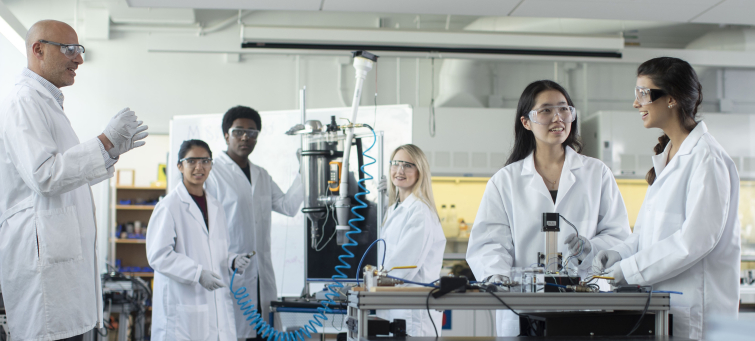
x=452, y=223
x=463, y=229
x=443, y=215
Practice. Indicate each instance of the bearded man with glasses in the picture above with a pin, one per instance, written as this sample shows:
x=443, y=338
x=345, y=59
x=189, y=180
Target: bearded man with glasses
x=48, y=235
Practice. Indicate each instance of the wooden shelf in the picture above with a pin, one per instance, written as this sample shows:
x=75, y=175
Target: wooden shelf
x=140, y=274
x=128, y=241
x=141, y=188
x=135, y=207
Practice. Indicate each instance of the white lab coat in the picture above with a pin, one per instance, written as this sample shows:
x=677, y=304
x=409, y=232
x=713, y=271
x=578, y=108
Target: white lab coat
x=413, y=236
x=249, y=211
x=48, y=236
x=687, y=233
x=507, y=230
x=179, y=247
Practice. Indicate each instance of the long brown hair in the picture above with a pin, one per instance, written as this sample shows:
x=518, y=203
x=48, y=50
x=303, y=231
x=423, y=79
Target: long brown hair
x=679, y=80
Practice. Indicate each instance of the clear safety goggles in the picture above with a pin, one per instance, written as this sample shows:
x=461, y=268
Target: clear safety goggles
x=205, y=162
x=70, y=50
x=397, y=164
x=239, y=132
x=645, y=96
x=546, y=115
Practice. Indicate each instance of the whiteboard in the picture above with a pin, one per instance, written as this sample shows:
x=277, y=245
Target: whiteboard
x=276, y=152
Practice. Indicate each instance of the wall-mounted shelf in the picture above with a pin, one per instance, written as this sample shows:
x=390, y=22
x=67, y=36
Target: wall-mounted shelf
x=141, y=188
x=135, y=207
x=140, y=274
x=128, y=241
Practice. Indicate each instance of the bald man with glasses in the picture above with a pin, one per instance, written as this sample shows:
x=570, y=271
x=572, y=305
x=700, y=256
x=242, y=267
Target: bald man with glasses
x=48, y=237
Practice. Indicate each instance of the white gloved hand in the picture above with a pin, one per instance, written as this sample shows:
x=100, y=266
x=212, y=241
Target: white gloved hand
x=574, y=245
x=382, y=185
x=125, y=132
x=241, y=262
x=210, y=280
x=617, y=274
x=498, y=279
x=604, y=259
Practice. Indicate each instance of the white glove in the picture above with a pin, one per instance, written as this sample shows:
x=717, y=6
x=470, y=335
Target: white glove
x=241, y=262
x=617, y=274
x=382, y=185
x=210, y=280
x=574, y=246
x=498, y=279
x=125, y=132
x=604, y=259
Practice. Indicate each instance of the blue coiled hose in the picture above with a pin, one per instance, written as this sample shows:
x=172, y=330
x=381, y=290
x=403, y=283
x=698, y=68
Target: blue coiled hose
x=267, y=331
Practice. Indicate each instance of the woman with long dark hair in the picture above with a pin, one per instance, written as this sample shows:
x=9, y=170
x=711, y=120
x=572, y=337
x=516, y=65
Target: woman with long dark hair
x=545, y=173
x=187, y=245
x=687, y=233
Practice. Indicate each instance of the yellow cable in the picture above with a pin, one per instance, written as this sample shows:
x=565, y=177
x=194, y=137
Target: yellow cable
x=403, y=267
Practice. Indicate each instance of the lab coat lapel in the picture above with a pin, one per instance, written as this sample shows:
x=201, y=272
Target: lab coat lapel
x=212, y=213
x=659, y=161
x=34, y=84
x=536, y=181
x=571, y=162
x=238, y=174
x=254, y=171
x=193, y=208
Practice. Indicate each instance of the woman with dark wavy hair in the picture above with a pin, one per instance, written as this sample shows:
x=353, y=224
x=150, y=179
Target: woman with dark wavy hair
x=545, y=173
x=687, y=233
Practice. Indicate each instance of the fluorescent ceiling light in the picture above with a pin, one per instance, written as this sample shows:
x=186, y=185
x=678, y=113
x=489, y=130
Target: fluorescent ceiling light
x=12, y=29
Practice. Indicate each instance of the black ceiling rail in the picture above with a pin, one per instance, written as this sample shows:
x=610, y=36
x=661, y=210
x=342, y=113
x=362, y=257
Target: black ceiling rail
x=430, y=49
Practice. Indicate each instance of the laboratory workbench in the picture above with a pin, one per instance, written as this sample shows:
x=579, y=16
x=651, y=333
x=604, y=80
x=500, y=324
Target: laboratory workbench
x=530, y=338
x=361, y=302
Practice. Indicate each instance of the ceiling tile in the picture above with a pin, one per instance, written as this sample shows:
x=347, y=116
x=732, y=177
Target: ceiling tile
x=453, y=7
x=655, y=10
x=280, y=5
x=738, y=12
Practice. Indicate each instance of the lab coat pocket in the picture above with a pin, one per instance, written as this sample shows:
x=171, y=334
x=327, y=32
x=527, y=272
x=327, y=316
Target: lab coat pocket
x=666, y=223
x=58, y=235
x=192, y=322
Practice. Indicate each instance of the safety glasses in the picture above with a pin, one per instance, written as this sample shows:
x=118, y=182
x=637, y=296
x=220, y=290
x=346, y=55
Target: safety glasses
x=239, y=132
x=205, y=162
x=397, y=164
x=645, y=96
x=70, y=50
x=546, y=115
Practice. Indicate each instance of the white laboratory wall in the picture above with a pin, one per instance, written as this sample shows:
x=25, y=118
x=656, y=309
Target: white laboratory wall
x=145, y=160
x=622, y=142
x=11, y=64
x=468, y=141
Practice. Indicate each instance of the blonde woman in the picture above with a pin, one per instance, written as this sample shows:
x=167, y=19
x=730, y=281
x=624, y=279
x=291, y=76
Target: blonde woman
x=412, y=233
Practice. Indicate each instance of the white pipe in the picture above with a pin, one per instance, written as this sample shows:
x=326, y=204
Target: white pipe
x=225, y=23
x=362, y=66
x=398, y=82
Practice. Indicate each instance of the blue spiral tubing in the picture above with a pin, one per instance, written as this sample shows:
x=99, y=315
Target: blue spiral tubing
x=267, y=331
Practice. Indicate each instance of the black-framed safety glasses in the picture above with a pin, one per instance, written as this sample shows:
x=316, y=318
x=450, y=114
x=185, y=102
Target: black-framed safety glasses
x=193, y=161
x=70, y=50
x=646, y=96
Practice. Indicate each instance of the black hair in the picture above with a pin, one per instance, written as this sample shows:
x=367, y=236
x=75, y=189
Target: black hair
x=188, y=144
x=524, y=140
x=679, y=80
x=240, y=111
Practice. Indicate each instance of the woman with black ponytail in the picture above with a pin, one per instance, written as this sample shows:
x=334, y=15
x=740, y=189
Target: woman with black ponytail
x=687, y=233
x=544, y=174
